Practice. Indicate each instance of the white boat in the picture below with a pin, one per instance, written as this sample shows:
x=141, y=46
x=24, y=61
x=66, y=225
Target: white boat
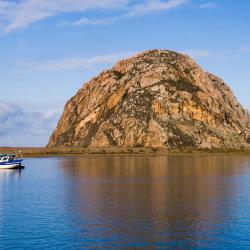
x=10, y=161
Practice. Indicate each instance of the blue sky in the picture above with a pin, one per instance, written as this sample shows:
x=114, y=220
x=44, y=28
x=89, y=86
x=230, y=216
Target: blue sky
x=49, y=48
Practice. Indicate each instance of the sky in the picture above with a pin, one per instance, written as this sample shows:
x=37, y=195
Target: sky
x=50, y=48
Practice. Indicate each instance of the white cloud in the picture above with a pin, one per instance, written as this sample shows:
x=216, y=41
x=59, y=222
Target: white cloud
x=7, y=109
x=208, y=5
x=78, y=62
x=155, y=6
x=196, y=54
x=74, y=63
x=144, y=8
x=22, y=128
x=87, y=21
x=17, y=15
x=20, y=14
x=245, y=49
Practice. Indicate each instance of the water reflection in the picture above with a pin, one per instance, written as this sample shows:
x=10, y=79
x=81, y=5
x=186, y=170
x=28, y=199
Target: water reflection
x=184, y=201
x=7, y=174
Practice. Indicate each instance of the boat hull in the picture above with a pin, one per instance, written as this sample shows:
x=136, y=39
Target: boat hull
x=11, y=166
x=10, y=163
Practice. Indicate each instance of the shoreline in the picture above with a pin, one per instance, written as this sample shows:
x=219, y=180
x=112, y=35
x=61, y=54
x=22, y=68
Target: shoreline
x=50, y=152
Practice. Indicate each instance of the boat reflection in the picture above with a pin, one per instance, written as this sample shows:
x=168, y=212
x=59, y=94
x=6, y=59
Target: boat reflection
x=6, y=174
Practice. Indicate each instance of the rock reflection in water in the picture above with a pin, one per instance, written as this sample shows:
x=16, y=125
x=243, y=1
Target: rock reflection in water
x=184, y=201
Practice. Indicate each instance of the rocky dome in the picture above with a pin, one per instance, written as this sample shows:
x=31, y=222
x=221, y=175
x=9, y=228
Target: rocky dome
x=157, y=98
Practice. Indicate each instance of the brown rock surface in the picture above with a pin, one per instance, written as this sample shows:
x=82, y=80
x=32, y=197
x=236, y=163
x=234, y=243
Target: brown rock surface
x=157, y=98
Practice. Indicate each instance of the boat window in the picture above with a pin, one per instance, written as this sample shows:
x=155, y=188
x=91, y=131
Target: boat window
x=5, y=158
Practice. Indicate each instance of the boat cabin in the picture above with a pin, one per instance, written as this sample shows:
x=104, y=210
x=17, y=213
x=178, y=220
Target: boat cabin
x=7, y=157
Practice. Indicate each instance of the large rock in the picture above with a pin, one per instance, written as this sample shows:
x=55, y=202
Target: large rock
x=157, y=98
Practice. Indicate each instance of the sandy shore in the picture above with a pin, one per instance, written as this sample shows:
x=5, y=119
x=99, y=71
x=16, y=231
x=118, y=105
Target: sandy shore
x=43, y=151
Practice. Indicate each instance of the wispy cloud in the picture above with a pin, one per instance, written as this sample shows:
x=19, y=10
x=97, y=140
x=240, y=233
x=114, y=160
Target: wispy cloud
x=196, y=54
x=99, y=21
x=15, y=15
x=208, y=5
x=245, y=49
x=77, y=62
x=154, y=6
x=133, y=10
x=74, y=63
x=22, y=128
x=20, y=14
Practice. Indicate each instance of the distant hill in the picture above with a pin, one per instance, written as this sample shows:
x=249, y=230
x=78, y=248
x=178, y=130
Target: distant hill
x=157, y=98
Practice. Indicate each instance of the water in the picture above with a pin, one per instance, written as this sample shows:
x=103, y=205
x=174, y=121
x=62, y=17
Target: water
x=121, y=202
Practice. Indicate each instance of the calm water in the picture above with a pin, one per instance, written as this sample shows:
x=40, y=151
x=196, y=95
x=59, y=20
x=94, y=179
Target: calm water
x=121, y=202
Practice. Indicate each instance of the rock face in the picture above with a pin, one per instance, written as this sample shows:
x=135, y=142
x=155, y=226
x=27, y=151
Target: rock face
x=157, y=98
